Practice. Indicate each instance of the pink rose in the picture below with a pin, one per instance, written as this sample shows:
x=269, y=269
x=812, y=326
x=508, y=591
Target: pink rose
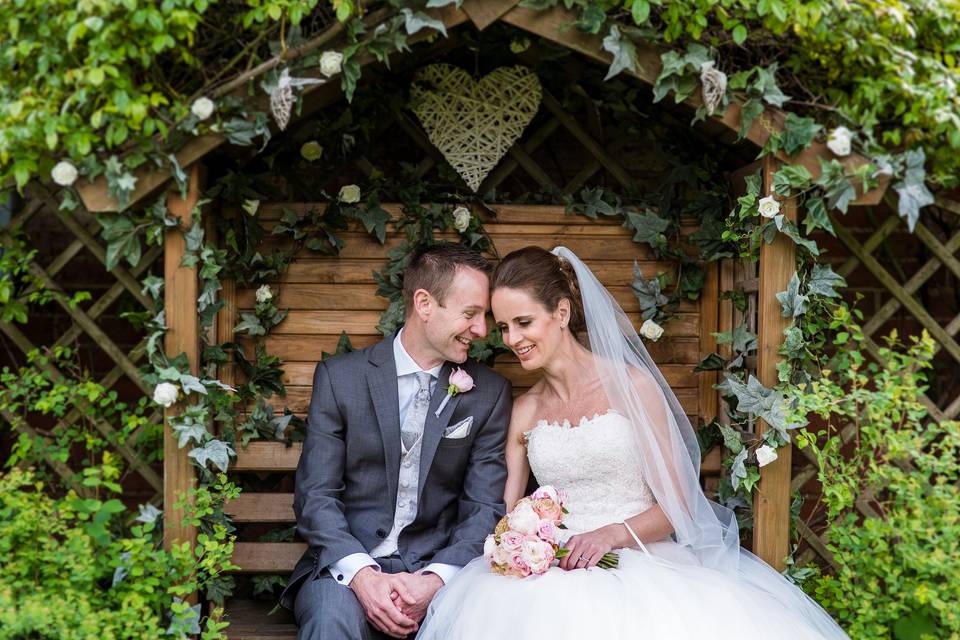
x=502, y=555
x=548, y=510
x=548, y=531
x=517, y=563
x=461, y=380
x=546, y=491
x=511, y=540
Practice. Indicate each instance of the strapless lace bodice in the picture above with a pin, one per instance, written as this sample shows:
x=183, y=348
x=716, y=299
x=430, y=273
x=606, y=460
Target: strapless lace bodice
x=597, y=466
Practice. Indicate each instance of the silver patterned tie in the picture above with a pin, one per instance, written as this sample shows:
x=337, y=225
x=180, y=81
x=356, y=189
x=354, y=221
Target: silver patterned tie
x=412, y=427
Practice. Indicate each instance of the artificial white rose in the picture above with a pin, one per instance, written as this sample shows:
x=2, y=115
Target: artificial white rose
x=839, y=141
x=651, y=330
x=165, y=394
x=264, y=293
x=769, y=207
x=64, y=173
x=349, y=194
x=331, y=63
x=461, y=219
x=202, y=108
x=523, y=519
x=765, y=455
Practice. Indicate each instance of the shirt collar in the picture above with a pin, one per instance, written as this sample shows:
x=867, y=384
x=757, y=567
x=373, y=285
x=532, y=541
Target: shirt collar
x=406, y=365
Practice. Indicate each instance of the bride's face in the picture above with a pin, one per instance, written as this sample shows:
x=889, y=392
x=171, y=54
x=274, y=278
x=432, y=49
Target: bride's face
x=529, y=329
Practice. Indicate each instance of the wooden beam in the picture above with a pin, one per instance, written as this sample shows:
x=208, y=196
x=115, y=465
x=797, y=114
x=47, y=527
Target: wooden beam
x=771, y=509
x=483, y=13
x=181, y=289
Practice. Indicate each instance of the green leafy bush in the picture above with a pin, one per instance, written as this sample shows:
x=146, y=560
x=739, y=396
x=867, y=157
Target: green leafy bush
x=891, y=487
x=67, y=572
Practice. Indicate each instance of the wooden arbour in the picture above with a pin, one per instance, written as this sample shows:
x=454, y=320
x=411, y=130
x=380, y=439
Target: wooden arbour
x=775, y=267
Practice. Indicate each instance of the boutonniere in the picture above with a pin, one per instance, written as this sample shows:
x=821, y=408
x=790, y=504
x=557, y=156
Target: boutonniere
x=459, y=382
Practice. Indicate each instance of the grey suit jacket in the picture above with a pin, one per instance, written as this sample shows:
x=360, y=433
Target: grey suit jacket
x=346, y=483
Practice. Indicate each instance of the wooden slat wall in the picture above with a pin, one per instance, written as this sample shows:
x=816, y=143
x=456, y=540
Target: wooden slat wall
x=328, y=295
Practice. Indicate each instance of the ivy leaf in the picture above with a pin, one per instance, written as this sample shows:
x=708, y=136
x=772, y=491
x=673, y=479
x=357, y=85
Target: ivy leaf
x=793, y=232
x=797, y=134
x=754, y=398
x=648, y=293
x=793, y=302
x=748, y=113
x=816, y=216
x=837, y=188
x=624, y=53
x=738, y=470
x=731, y=438
x=415, y=21
x=184, y=619
x=215, y=451
x=148, y=513
x=741, y=339
x=122, y=240
x=188, y=431
x=250, y=323
x=792, y=177
x=766, y=85
x=823, y=281
x=913, y=190
x=375, y=219
x=243, y=132
x=593, y=204
x=713, y=362
x=192, y=384
x=219, y=588
x=794, y=344
x=648, y=228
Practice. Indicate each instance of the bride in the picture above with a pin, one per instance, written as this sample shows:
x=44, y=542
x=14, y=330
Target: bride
x=603, y=425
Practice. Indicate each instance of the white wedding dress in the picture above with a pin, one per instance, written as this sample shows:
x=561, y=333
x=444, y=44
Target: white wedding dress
x=661, y=593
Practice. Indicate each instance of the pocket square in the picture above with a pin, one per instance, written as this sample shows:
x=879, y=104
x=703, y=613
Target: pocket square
x=459, y=430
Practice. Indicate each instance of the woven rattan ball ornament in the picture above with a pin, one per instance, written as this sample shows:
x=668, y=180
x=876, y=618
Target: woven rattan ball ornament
x=474, y=123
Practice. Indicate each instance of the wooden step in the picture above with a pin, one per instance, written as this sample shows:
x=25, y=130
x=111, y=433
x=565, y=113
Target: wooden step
x=253, y=620
x=267, y=557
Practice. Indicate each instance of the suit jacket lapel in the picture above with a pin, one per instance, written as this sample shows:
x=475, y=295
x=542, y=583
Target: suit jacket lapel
x=434, y=425
x=382, y=381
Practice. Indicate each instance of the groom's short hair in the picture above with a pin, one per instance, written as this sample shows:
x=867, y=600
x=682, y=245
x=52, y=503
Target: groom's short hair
x=433, y=268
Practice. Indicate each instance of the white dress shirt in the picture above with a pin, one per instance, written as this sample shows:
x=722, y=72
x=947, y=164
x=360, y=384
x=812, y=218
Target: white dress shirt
x=344, y=570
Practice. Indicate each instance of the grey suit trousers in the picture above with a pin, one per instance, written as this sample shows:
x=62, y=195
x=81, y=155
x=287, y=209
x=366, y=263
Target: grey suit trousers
x=327, y=610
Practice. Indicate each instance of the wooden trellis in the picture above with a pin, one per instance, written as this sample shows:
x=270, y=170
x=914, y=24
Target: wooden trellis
x=900, y=299
x=84, y=230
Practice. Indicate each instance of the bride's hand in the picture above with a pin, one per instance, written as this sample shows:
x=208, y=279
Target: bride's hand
x=586, y=549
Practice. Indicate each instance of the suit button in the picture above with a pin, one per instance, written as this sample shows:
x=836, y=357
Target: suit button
x=340, y=577
x=381, y=533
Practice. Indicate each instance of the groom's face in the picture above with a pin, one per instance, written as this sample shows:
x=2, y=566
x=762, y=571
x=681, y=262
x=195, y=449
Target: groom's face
x=461, y=318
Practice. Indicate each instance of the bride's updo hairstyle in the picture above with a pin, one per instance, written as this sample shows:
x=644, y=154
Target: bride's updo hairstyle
x=545, y=277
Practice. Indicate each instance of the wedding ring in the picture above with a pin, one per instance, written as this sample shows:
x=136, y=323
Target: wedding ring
x=582, y=558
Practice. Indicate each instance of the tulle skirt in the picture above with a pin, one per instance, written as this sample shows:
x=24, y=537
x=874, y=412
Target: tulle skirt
x=665, y=594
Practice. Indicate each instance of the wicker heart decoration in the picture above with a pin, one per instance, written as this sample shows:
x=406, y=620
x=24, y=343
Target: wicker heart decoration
x=474, y=123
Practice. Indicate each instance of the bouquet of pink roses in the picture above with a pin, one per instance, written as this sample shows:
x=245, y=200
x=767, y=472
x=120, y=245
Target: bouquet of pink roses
x=527, y=540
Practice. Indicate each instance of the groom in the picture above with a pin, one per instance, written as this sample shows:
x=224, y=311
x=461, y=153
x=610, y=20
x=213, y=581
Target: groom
x=393, y=494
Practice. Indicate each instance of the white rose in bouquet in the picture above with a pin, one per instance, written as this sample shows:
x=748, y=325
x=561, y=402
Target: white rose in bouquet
x=523, y=519
x=489, y=546
x=537, y=554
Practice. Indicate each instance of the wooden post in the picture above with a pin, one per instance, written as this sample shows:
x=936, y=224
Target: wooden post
x=180, y=293
x=771, y=518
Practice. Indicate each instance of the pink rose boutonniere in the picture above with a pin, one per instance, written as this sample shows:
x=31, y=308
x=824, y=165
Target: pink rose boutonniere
x=460, y=382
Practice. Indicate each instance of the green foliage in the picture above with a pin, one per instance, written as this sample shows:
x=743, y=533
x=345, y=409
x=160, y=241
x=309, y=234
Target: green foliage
x=873, y=441
x=67, y=570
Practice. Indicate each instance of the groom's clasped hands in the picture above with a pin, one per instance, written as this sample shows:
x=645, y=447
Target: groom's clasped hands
x=395, y=603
